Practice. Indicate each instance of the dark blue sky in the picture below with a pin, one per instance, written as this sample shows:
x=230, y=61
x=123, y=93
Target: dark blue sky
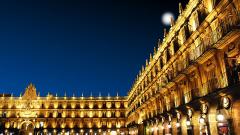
x=77, y=46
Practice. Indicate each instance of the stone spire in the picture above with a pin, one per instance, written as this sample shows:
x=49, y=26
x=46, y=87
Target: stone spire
x=159, y=43
x=142, y=69
x=164, y=32
x=154, y=51
x=150, y=57
x=30, y=93
x=172, y=21
x=180, y=8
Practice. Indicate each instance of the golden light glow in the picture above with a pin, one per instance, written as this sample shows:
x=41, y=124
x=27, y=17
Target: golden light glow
x=54, y=124
x=73, y=105
x=55, y=114
x=108, y=104
x=117, y=104
x=90, y=114
x=100, y=104
x=117, y=114
x=64, y=105
x=63, y=125
x=81, y=114
x=46, y=114
x=100, y=114
x=55, y=105
x=46, y=105
x=82, y=105
x=73, y=114
x=64, y=114
x=90, y=105
x=108, y=114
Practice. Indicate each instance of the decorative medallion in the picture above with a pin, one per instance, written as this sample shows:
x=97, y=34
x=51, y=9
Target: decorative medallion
x=226, y=102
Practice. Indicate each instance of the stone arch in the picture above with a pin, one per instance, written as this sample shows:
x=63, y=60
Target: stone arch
x=26, y=127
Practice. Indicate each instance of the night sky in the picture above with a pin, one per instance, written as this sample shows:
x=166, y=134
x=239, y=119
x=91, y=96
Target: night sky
x=77, y=46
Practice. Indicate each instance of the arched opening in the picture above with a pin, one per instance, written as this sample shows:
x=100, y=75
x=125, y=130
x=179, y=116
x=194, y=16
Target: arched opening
x=26, y=128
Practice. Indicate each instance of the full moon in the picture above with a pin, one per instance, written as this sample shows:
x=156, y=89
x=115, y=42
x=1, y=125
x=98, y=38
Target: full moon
x=166, y=18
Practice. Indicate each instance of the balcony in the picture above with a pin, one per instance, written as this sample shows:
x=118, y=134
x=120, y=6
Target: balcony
x=198, y=51
x=206, y=42
x=182, y=64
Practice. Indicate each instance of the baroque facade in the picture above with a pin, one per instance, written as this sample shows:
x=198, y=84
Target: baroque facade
x=31, y=114
x=190, y=85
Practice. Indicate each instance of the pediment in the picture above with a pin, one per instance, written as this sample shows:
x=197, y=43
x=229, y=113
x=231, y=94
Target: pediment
x=30, y=93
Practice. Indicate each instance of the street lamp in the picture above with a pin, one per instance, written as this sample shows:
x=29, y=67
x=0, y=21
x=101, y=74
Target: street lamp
x=220, y=117
x=201, y=120
x=177, y=124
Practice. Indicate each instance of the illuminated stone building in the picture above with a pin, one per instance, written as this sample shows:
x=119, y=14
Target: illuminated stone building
x=31, y=114
x=189, y=85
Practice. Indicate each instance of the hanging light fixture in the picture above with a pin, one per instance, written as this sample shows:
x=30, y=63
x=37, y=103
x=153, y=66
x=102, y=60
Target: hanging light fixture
x=188, y=123
x=220, y=116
